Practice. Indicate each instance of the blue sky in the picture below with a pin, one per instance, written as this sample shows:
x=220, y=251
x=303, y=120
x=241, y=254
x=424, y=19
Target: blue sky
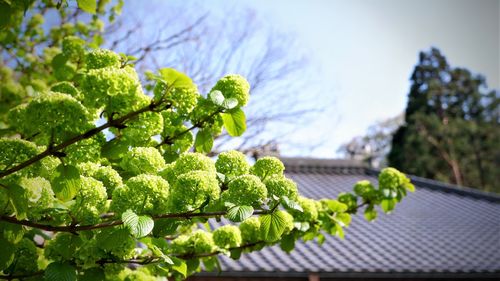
x=366, y=50
x=363, y=53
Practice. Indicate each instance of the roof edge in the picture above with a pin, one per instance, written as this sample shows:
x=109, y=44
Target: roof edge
x=341, y=166
x=447, y=187
x=385, y=275
x=346, y=166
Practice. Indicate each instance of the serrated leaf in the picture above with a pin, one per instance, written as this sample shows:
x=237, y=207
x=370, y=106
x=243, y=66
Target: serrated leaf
x=139, y=226
x=230, y=103
x=66, y=182
x=239, y=213
x=234, y=122
x=291, y=204
x=112, y=239
x=176, y=79
x=217, y=97
x=272, y=226
x=58, y=271
x=88, y=6
x=204, y=141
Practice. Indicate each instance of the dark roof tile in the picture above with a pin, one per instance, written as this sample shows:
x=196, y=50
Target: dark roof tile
x=437, y=229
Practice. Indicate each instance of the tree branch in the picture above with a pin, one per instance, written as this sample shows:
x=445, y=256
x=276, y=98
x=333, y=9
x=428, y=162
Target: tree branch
x=75, y=227
x=53, y=149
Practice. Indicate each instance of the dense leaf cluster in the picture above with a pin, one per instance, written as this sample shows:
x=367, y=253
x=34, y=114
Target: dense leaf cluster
x=97, y=176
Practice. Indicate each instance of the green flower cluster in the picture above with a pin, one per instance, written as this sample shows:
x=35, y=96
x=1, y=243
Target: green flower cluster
x=232, y=164
x=143, y=194
x=109, y=177
x=192, y=190
x=68, y=88
x=143, y=160
x=39, y=195
x=250, y=230
x=390, y=178
x=267, y=167
x=234, y=86
x=183, y=99
x=54, y=116
x=15, y=151
x=227, y=236
x=73, y=47
x=202, y=242
x=281, y=186
x=139, y=131
x=189, y=162
x=309, y=207
x=245, y=190
x=90, y=201
x=101, y=58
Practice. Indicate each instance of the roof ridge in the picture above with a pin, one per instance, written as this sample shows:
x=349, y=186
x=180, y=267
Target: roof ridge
x=447, y=187
x=349, y=167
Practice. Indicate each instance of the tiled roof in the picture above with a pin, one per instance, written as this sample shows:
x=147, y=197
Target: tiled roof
x=438, y=230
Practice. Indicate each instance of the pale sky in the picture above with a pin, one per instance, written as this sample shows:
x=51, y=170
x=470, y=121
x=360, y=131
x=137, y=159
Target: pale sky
x=365, y=52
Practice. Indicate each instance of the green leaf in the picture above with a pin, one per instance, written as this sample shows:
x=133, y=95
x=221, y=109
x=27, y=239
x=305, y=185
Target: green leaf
x=176, y=79
x=290, y=204
x=204, y=141
x=18, y=200
x=335, y=206
x=66, y=182
x=287, y=243
x=239, y=213
x=8, y=251
x=58, y=271
x=88, y=6
x=11, y=232
x=388, y=205
x=321, y=239
x=93, y=274
x=210, y=263
x=370, y=213
x=216, y=97
x=344, y=219
x=59, y=61
x=230, y=103
x=114, y=149
x=112, y=239
x=236, y=253
x=234, y=122
x=272, y=226
x=139, y=226
x=180, y=266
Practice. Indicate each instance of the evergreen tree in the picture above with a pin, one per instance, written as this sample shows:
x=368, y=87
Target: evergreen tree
x=452, y=130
